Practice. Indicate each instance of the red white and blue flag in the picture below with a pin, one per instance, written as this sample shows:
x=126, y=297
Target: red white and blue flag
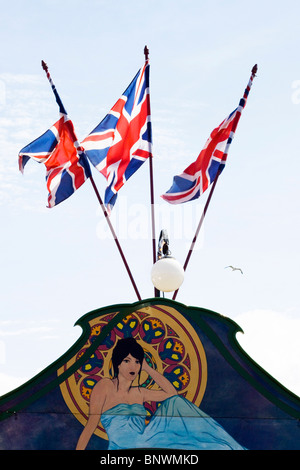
x=66, y=165
x=122, y=141
x=211, y=161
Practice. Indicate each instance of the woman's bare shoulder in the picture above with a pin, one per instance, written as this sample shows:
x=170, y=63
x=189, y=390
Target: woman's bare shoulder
x=103, y=386
x=101, y=391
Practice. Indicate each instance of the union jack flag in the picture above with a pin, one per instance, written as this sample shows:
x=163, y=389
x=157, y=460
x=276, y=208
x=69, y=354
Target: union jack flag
x=66, y=165
x=211, y=161
x=122, y=141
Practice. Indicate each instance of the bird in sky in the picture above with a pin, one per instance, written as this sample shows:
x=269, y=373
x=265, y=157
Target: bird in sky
x=234, y=269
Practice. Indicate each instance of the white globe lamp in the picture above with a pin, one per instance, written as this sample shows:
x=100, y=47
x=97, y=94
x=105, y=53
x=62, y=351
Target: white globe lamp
x=167, y=274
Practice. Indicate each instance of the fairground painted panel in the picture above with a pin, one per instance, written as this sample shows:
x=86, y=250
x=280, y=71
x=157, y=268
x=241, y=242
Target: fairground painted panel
x=220, y=390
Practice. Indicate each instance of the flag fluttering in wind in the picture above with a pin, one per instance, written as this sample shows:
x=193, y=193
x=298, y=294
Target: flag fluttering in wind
x=122, y=141
x=66, y=165
x=198, y=176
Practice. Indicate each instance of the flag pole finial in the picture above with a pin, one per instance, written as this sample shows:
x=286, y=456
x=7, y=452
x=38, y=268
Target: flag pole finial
x=45, y=66
x=146, y=52
x=254, y=70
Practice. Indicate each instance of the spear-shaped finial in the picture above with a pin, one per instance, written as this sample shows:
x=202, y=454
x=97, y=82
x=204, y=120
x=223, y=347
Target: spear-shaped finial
x=254, y=70
x=45, y=66
x=146, y=52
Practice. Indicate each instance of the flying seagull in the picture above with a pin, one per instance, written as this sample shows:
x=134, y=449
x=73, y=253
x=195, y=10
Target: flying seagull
x=234, y=269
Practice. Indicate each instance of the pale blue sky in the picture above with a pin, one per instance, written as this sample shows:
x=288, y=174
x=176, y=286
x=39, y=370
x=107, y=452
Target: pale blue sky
x=58, y=264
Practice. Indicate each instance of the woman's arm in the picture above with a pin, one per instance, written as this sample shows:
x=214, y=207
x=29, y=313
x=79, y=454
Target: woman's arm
x=96, y=405
x=167, y=389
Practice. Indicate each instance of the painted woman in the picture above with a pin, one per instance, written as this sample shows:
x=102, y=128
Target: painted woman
x=176, y=424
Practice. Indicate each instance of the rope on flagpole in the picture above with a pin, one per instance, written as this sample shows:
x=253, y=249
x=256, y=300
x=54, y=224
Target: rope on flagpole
x=107, y=218
x=156, y=291
x=234, y=126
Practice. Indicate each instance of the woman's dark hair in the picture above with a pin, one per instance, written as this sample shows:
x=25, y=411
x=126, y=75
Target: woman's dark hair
x=122, y=349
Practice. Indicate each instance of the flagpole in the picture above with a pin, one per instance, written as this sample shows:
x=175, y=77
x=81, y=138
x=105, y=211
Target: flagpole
x=199, y=227
x=156, y=291
x=115, y=237
x=234, y=126
x=62, y=110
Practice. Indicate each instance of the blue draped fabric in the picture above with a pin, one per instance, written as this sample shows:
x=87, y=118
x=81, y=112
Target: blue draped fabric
x=176, y=424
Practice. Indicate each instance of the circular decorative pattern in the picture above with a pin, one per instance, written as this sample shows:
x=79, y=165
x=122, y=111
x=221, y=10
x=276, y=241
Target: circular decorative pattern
x=171, y=351
x=94, y=364
x=152, y=330
x=178, y=375
x=171, y=346
x=128, y=327
x=87, y=385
